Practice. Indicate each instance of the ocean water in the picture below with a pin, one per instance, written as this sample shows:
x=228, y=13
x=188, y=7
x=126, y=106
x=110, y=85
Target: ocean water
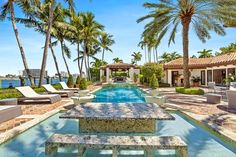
x=16, y=83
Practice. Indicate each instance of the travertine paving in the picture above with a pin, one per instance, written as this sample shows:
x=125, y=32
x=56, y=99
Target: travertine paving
x=218, y=116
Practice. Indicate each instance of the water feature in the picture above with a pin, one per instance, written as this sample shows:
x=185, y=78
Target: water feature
x=200, y=142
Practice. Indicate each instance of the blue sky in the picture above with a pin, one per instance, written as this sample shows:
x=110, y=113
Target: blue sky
x=119, y=18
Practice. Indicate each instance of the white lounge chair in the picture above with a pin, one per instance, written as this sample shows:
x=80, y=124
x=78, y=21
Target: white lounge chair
x=51, y=90
x=30, y=95
x=65, y=87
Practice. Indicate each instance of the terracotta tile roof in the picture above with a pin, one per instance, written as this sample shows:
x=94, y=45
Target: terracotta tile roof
x=119, y=66
x=195, y=63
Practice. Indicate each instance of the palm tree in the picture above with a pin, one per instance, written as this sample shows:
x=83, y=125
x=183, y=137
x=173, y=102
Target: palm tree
x=106, y=41
x=89, y=33
x=117, y=60
x=59, y=28
x=167, y=13
x=167, y=57
x=8, y=8
x=52, y=4
x=137, y=56
x=205, y=53
x=228, y=49
x=142, y=45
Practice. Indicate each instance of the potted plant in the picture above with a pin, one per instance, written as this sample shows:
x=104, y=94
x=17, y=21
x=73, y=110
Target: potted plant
x=196, y=81
x=83, y=87
x=153, y=84
x=70, y=81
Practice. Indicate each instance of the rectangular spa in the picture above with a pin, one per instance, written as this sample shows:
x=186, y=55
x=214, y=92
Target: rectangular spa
x=117, y=117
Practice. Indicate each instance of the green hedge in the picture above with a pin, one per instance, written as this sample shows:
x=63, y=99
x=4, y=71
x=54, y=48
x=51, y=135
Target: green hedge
x=13, y=93
x=191, y=91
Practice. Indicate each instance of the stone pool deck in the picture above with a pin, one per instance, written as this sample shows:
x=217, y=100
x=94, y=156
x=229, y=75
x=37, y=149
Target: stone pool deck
x=218, y=116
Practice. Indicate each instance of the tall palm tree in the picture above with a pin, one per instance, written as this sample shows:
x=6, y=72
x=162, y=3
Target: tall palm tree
x=117, y=60
x=8, y=8
x=142, y=45
x=59, y=28
x=205, y=53
x=52, y=4
x=137, y=56
x=90, y=31
x=204, y=16
x=106, y=41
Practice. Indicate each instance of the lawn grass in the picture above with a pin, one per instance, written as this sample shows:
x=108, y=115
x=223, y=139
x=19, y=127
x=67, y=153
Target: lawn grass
x=13, y=93
x=190, y=91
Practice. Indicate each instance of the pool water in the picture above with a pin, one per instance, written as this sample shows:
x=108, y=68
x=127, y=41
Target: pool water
x=119, y=95
x=200, y=142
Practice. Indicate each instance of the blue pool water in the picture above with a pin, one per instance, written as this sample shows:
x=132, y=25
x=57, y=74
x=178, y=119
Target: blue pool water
x=200, y=142
x=119, y=95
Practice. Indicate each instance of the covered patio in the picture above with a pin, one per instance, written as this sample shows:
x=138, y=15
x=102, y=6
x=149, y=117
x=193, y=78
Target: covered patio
x=109, y=72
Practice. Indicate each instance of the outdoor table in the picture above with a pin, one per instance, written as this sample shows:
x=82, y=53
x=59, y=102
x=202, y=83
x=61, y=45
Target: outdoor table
x=117, y=118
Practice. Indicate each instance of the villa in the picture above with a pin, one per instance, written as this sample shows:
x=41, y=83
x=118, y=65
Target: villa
x=215, y=69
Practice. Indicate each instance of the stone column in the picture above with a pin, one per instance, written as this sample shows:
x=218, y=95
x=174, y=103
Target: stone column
x=131, y=73
x=101, y=74
x=107, y=74
x=169, y=76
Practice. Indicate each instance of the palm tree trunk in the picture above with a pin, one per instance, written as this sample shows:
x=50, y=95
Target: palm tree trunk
x=64, y=58
x=145, y=51
x=103, y=51
x=156, y=56
x=19, y=44
x=90, y=78
x=186, y=23
x=55, y=61
x=48, y=36
x=85, y=63
x=78, y=52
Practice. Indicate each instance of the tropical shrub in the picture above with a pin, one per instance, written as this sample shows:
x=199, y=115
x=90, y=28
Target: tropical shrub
x=152, y=68
x=103, y=78
x=83, y=84
x=141, y=78
x=191, y=91
x=153, y=82
x=70, y=82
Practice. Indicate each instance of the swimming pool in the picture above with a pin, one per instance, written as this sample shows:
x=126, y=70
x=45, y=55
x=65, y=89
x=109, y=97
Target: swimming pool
x=200, y=142
x=119, y=94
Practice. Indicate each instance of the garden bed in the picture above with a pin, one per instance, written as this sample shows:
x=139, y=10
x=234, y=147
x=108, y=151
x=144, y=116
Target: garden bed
x=191, y=91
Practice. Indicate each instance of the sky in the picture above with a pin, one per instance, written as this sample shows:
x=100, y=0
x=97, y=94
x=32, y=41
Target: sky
x=119, y=18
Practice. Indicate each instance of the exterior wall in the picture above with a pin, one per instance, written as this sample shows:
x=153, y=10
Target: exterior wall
x=196, y=72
